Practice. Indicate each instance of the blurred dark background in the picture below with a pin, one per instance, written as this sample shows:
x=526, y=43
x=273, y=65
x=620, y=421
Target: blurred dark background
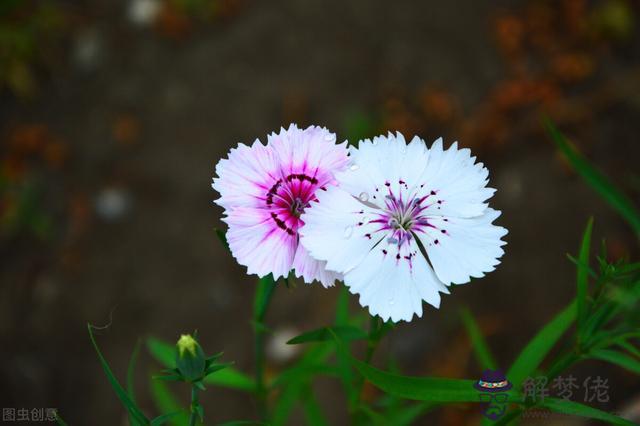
x=114, y=113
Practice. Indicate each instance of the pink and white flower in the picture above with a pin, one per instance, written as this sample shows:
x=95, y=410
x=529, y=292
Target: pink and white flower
x=265, y=188
x=404, y=223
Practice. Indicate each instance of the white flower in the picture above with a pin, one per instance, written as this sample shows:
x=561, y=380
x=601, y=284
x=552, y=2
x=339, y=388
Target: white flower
x=404, y=223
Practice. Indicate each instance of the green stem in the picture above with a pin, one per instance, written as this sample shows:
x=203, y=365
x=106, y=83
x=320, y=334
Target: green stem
x=375, y=335
x=264, y=291
x=194, y=406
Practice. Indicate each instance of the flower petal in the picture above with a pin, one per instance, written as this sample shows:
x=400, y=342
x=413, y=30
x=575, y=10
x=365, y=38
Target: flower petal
x=461, y=248
x=311, y=269
x=258, y=243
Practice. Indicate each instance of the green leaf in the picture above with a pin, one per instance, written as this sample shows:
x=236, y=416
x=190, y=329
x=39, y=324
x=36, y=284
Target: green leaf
x=311, y=364
x=538, y=347
x=163, y=352
x=59, y=421
x=618, y=358
x=131, y=371
x=583, y=274
x=136, y=415
x=596, y=179
x=313, y=412
x=438, y=390
x=286, y=401
x=266, y=285
x=130, y=374
x=480, y=347
x=229, y=377
x=577, y=409
x=167, y=403
x=242, y=423
x=410, y=413
x=345, y=333
x=160, y=420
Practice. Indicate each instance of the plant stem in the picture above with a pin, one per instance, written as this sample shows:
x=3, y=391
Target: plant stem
x=264, y=291
x=194, y=406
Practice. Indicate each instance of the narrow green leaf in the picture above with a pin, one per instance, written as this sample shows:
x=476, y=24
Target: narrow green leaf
x=304, y=371
x=266, y=285
x=629, y=348
x=538, y=347
x=509, y=417
x=409, y=414
x=286, y=401
x=596, y=179
x=577, y=409
x=137, y=416
x=131, y=370
x=313, y=412
x=618, y=358
x=130, y=375
x=480, y=347
x=430, y=389
x=160, y=420
x=312, y=363
x=59, y=421
x=583, y=274
x=230, y=377
x=163, y=352
x=166, y=402
x=345, y=333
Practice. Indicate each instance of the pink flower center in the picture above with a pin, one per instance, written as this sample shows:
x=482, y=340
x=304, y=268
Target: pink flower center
x=287, y=199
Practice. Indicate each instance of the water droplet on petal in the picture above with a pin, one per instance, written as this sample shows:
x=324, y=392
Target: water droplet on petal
x=348, y=231
x=363, y=197
x=354, y=167
x=375, y=142
x=392, y=240
x=329, y=137
x=391, y=301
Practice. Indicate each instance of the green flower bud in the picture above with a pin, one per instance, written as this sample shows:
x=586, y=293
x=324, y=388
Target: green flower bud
x=190, y=359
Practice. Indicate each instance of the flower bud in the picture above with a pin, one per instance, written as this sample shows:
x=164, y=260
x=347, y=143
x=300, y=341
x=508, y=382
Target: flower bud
x=190, y=359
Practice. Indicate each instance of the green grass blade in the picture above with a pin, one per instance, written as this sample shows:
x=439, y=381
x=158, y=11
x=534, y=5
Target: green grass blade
x=577, y=409
x=537, y=349
x=230, y=377
x=583, y=274
x=345, y=333
x=618, y=358
x=437, y=390
x=596, y=179
x=167, y=403
x=136, y=415
x=480, y=347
